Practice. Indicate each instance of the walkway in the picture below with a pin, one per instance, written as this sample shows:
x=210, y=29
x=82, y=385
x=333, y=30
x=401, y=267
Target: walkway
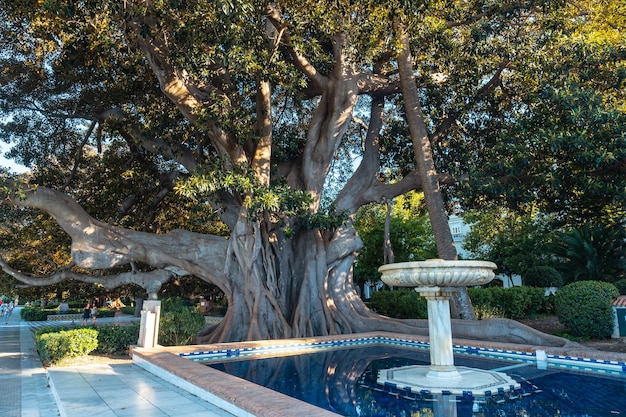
x=105, y=390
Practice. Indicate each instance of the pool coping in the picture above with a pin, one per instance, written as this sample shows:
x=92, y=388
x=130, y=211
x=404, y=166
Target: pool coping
x=246, y=399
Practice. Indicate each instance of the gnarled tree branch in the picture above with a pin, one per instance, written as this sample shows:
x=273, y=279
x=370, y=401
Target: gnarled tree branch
x=188, y=96
x=97, y=245
x=143, y=279
x=300, y=61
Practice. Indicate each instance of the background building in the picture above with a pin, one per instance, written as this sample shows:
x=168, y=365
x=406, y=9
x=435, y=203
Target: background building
x=459, y=229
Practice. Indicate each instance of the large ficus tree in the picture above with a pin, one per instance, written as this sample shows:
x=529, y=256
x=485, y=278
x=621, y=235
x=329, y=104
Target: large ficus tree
x=234, y=113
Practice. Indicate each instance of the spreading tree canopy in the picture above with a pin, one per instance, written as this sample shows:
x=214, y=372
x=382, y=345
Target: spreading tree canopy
x=196, y=137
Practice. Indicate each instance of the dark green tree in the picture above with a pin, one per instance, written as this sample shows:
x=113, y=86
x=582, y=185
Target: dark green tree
x=513, y=241
x=592, y=252
x=564, y=152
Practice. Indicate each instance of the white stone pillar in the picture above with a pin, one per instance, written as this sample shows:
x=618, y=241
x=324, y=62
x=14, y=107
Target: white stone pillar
x=440, y=332
x=149, y=325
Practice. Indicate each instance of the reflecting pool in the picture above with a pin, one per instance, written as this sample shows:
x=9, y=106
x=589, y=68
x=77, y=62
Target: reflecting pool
x=343, y=380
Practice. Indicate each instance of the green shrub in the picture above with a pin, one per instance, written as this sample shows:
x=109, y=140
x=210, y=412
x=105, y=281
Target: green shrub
x=179, y=324
x=128, y=310
x=481, y=297
x=483, y=302
x=487, y=312
x=174, y=304
x=401, y=304
x=542, y=276
x=621, y=286
x=105, y=312
x=114, y=339
x=56, y=346
x=585, y=308
x=513, y=303
x=51, y=329
x=535, y=301
x=510, y=300
x=70, y=311
x=34, y=314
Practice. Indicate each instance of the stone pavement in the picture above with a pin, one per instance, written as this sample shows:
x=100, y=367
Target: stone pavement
x=23, y=381
x=105, y=390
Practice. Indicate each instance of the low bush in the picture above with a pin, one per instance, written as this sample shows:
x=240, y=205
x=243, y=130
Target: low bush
x=542, y=276
x=585, y=308
x=128, y=310
x=400, y=304
x=180, y=324
x=482, y=299
x=78, y=305
x=56, y=346
x=105, y=312
x=41, y=314
x=488, y=312
x=51, y=329
x=513, y=303
x=112, y=339
x=115, y=339
x=70, y=311
x=34, y=314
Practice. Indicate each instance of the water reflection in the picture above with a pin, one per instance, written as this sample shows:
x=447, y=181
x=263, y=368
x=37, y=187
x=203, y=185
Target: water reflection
x=344, y=381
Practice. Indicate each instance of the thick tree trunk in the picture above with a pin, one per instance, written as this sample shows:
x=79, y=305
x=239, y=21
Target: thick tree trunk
x=316, y=297
x=461, y=304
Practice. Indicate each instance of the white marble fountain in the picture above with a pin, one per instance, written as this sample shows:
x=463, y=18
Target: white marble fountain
x=437, y=280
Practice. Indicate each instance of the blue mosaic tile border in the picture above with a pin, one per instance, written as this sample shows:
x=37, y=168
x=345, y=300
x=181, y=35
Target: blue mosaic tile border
x=497, y=395
x=570, y=362
x=586, y=364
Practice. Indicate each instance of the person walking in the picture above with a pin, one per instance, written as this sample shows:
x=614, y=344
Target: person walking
x=86, y=313
x=94, y=313
x=8, y=309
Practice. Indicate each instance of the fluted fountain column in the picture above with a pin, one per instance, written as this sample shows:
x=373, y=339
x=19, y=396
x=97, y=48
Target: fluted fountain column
x=440, y=332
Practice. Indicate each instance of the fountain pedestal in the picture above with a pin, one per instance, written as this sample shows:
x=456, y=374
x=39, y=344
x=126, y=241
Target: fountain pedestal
x=440, y=332
x=437, y=281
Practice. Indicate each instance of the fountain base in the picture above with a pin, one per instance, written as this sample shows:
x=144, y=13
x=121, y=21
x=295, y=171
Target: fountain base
x=470, y=381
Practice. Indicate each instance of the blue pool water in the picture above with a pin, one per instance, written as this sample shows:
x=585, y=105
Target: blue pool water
x=344, y=381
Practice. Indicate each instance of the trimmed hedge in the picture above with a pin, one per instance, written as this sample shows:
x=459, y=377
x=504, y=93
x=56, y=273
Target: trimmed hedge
x=41, y=314
x=34, y=314
x=542, y=276
x=115, y=339
x=56, y=346
x=585, y=308
x=513, y=303
x=400, y=304
x=128, y=310
x=104, y=312
x=57, y=343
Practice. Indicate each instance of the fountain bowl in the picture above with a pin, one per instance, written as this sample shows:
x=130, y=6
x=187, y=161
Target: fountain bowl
x=438, y=273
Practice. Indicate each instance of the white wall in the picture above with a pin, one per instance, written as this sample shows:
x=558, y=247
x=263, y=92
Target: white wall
x=459, y=229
